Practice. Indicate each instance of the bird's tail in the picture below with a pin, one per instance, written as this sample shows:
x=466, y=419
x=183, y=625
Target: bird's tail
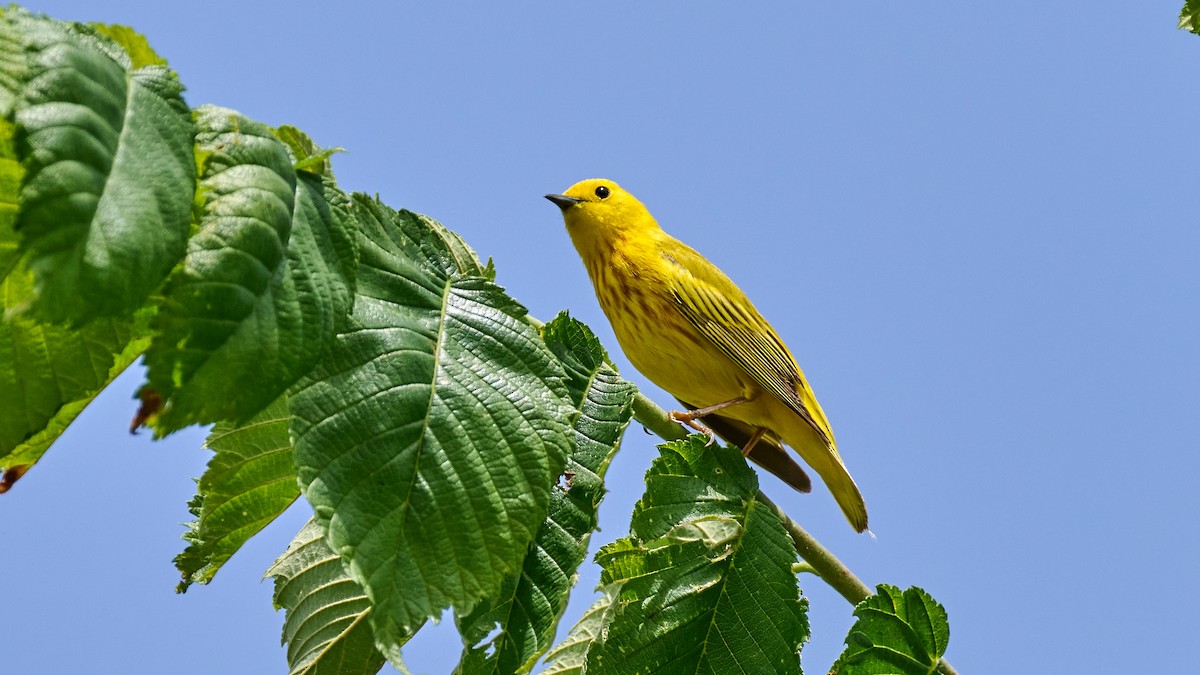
x=846, y=493
x=824, y=459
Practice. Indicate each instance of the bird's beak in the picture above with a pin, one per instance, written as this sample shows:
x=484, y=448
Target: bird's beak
x=564, y=202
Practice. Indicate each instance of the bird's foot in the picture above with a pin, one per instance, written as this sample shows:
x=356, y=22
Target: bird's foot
x=689, y=420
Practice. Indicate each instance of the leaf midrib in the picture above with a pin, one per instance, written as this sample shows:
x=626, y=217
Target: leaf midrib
x=750, y=503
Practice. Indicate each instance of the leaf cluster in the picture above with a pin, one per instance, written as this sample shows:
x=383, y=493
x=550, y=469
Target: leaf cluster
x=452, y=448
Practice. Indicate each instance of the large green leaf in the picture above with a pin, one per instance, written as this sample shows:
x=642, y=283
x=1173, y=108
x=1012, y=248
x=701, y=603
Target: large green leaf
x=706, y=581
x=48, y=373
x=326, y=630
x=110, y=175
x=569, y=657
x=530, y=603
x=267, y=279
x=901, y=633
x=249, y=481
x=430, y=438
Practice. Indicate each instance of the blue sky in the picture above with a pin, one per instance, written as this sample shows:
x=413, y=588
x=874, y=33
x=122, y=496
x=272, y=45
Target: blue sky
x=973, y=224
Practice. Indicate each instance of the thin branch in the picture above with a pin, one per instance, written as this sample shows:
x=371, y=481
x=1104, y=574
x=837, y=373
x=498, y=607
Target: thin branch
x=822, y=562
x=655, y=419
x=825, y=564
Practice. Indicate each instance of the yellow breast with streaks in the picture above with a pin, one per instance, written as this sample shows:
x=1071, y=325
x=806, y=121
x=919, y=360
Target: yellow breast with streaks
x=657, y=338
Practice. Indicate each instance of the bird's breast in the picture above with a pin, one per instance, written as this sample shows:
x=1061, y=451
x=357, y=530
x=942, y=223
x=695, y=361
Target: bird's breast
x=660, y=342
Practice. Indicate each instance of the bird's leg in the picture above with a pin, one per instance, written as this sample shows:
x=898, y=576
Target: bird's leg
x=754, y=438
x=689, y=418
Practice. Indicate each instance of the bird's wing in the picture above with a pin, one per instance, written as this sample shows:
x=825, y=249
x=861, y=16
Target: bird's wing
x=722, y=313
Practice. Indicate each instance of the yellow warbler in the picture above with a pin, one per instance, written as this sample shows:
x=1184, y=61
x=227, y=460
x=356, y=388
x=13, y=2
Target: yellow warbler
x=691, y=331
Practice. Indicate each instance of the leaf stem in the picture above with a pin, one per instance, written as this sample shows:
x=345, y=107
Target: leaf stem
x=822, y=562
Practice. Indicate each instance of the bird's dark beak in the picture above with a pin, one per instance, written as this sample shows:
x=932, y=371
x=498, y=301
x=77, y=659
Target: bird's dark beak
x=564, y=202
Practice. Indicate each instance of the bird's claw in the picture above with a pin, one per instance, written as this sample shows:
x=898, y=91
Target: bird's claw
x=689, y=421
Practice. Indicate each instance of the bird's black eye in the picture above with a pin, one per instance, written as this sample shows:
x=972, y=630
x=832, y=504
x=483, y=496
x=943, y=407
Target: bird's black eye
x=602, y=192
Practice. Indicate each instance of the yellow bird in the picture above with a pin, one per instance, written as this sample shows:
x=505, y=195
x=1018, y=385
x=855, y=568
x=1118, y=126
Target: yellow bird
x=691, y=331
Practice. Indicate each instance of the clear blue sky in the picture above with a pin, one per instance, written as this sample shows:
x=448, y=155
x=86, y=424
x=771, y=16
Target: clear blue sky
x=974, y=223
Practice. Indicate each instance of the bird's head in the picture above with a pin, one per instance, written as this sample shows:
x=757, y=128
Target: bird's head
x=598, y=213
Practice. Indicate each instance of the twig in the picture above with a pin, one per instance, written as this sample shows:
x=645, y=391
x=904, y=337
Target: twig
x=823, y=563
x=654, y=418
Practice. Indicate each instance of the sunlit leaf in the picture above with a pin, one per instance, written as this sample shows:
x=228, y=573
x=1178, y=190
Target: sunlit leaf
x=326, y=630
x=48, y=373
x=1189, y=16
x=570, y=656
x=706, y=584
x=430, y=438
x=250, y=481
x=528, y=609
x=268, y=277
x=110, y=174
x=896, y=632
x=134, y=43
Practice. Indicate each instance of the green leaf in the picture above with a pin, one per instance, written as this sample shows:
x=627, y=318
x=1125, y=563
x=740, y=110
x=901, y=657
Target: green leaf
x=135, y=45
x=326, y=630
x=1189, y=16
x=13, y=64
x=529, y=606
x=706, y=578
x=307, y=155
x=10, y=186
x=904, y=633
x=420, y=237
x=106, y=201
x=570, y=656
x=268, y=278
x=48, y=374
x=429, y=439
x=249, y=482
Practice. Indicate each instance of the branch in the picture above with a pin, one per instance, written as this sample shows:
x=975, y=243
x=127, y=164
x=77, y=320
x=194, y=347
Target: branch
x=823, y=563
x=655, y=419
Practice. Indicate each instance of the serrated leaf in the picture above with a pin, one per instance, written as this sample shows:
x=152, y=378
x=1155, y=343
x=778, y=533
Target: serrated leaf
x=706, y=584
x=531, y=603
x=570, y=656
x=249, y=482
x=107, y=150
x=268, y=277
x=326, y=630
x=1189, y=16
x=904, y=633
x=429, y=439
x=420, y=237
